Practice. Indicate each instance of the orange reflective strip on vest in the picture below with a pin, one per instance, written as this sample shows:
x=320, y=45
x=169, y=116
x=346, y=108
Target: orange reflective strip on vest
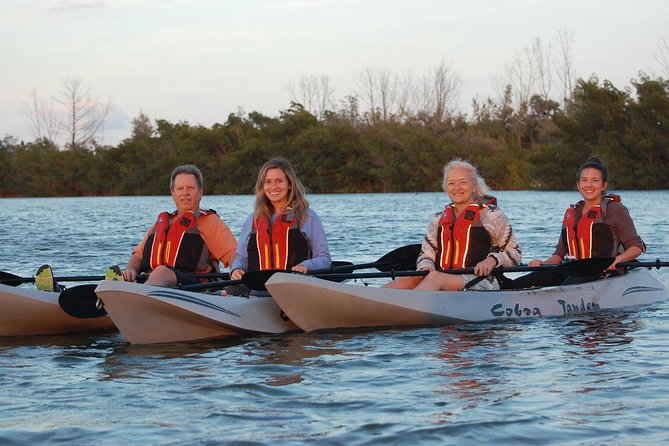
x=264, y=256
x=284, y=258
x=159, y=255
x=467, y=241
x=456, y=253
x=277, y=259
x=446, y=254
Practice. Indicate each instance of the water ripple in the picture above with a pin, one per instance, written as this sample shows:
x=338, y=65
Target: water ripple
x=587, y=380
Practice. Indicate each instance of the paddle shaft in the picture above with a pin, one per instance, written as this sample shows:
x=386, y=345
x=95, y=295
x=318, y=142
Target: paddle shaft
x=654, y=264
x=401, y=258
x=210, y=285
x=10, y=278
x=252, y=277
x=584, y=267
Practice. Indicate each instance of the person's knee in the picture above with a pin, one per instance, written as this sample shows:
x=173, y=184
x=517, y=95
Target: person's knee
x=160, y=270
x=162, y=276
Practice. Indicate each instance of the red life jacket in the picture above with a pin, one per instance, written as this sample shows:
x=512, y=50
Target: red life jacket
x=279, y=246
x=587, y=236
x=178, y=245
x=462, y=239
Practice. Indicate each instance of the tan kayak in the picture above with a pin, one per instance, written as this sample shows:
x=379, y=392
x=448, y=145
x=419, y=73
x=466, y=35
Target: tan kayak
x=317, y=304
x=148, y=314
x=27, y=311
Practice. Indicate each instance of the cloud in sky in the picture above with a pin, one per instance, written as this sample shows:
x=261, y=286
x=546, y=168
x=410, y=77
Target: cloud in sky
x=68, y=5
x=199, y=60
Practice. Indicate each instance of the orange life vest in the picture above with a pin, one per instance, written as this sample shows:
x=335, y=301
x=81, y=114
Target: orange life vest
x=178, y=245
x=280, y=245
x=462, y=240
x=588, y=236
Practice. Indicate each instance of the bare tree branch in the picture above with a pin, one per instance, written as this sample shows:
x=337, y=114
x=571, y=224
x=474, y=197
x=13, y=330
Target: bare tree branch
x=565, y=66
x=42, y=119
x=440, y=91
x=365, y=82
x=386, y=86
x=314, y=93
x=84, y=116
x=405, y=98
x=542, y=58
x=662, y=56
x=521, y=75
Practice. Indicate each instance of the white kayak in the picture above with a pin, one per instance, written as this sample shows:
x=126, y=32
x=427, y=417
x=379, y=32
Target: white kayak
x=27, y=311
x=317, y=304
x=148, y=314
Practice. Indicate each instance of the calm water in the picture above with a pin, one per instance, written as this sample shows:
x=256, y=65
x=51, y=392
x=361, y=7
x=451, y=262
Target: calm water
x=582, y=380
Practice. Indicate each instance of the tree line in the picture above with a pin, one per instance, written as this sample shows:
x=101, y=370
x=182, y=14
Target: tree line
x=530, y=143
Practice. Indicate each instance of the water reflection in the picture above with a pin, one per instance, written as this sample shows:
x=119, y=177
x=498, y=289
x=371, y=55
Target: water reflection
x=299, y=349
x=474, y=366
x=135, y=361
x=600, y=333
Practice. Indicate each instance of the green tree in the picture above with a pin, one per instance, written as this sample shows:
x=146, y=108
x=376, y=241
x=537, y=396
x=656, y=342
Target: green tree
x=646, y=141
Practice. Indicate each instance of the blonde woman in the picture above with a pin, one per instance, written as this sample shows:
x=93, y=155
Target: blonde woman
x=283, y=232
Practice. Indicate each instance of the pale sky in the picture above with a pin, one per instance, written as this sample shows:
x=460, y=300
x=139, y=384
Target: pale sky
x=199, y=60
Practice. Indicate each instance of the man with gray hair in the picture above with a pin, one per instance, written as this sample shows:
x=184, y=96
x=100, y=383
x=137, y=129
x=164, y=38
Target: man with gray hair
x=183, y=243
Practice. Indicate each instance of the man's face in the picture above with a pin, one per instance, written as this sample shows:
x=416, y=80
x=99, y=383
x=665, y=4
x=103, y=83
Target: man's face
x=185, y=192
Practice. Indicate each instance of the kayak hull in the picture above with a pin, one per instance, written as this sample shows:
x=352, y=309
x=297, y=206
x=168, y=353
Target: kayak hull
x=148, y=314
x=27, y=311
x=316, y=304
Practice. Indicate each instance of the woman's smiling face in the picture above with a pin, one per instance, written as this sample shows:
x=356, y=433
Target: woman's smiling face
x=460, y=186
x=276, y=188
x=591, y=184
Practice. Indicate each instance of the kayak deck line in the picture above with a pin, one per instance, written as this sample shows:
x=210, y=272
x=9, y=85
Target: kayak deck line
x=192, y=299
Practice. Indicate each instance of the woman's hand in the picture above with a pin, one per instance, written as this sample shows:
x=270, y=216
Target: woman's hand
x=235, y=274
x=485, y=266
x=552, y=260
x=300, y=269
x=613, y=265
x=629, y=254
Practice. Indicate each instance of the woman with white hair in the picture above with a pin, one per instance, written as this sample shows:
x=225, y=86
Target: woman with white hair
x=470, y=232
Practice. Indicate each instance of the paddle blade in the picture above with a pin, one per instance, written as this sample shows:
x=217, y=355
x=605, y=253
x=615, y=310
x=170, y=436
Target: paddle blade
x=44, y=280
x=81, y=302
x=11, y=279
x=403, y=258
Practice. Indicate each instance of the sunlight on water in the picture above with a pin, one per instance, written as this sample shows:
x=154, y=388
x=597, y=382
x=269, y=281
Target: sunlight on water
x=597, y=379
